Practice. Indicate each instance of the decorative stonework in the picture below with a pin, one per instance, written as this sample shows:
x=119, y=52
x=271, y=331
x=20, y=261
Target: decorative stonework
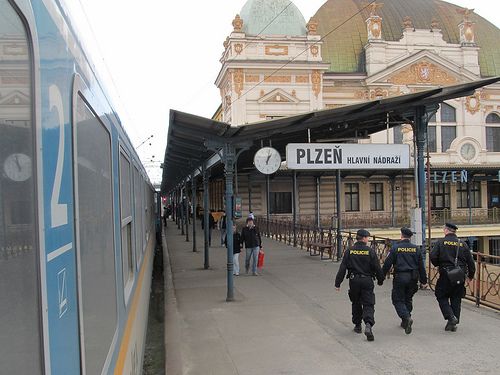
x=466, y=27
x=314, y=50
x=485, y=95
x=276, y=50
x=473, y=103
x=422, y=72
x=316, y=82
x=465, y=12
x=226, y=43
x=488, y=108
x=278, y=79
x=238, y=81
x=237, y=24
x=407, y=23
x=374, y=28
x=302, y=79
x=294, y=93
x=374, y=7
x=378, y=93
x=251, y=78
x=262, y=93
x=312, y=27
x=238, y=47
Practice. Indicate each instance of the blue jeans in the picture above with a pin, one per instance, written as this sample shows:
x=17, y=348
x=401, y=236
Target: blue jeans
x=251, y=252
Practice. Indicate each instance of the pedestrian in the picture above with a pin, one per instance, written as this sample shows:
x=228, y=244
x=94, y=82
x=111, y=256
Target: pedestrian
x=164, y=217
x=236, y=250
x=250, y=236
x=362, y=266
x=211, y=225
x=447, y=252
x=409, y=267
x=223, y=229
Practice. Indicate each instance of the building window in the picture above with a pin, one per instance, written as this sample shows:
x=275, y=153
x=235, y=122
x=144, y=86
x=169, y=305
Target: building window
x=448, y=134
x=493, y=118
x=440, y=196
x=433, y=117
x=494, y=249
x=475, y=195
x=398, y=134
x=280, y=202
x=377, y=197
x=448, y=113
x=493, y=138
x=431, y=138
x=352, y=197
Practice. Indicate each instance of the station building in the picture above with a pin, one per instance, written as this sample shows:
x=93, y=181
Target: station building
x=275, y=64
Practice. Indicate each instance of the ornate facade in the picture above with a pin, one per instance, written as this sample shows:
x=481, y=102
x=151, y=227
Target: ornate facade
x=266, y=76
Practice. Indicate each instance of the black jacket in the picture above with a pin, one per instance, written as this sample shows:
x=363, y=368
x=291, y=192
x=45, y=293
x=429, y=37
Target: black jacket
x=236, y=242
x=406, y=257
x=251, y=237
x=359, y=259
x=444, y=251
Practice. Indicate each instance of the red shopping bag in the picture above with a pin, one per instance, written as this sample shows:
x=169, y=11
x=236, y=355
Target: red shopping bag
x=260, y=260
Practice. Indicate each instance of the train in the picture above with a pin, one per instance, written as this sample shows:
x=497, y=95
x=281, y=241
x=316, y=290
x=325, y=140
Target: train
x=77, y=209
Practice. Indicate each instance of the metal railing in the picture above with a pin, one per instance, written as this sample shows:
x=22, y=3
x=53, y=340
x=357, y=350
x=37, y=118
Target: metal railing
x=484, y=289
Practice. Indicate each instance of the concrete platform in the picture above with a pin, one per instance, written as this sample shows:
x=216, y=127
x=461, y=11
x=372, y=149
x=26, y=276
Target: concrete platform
x=290, y=320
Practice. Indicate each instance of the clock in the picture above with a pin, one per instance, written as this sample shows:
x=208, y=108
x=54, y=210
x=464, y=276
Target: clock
x=467, y=151
x=267, y=160
x=17, y=167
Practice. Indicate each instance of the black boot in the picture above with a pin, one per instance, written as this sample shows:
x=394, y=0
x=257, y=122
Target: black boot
x=409, y=323
x=357, y=328
x=451, y=325
x=368, y=332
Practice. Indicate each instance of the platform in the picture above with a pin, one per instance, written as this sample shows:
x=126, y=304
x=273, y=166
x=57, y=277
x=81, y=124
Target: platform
x=290, y=320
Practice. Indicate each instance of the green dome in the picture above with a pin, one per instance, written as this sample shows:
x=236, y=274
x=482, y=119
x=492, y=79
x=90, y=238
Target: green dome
x=343, y=48
x=258, y=18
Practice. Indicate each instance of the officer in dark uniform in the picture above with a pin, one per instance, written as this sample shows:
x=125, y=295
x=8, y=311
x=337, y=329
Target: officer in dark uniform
x=363, y=266
x=409, y=267
x=443, y=256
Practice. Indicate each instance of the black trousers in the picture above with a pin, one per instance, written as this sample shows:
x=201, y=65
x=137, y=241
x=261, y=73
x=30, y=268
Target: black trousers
x=404, y=286
x=363, y=300
x=449, y=297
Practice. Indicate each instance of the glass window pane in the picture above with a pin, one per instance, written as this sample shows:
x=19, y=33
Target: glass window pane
x=431, y=138
x=493, y=138
x=448, y=113
x=448, y=134
x=281, y=202
x=126, y=215
x=20, y=337
x=398, y=134
x=493, y=118
x=96, y=247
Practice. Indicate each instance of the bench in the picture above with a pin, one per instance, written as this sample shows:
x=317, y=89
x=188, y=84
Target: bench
x=320, y=248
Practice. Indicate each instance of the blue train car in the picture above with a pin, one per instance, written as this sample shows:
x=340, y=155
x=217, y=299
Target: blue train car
x=77, y=210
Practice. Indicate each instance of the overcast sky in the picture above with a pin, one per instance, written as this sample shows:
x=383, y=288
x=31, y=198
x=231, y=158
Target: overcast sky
x=164, y=54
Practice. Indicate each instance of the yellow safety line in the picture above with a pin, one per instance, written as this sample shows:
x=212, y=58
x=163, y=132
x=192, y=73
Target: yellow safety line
x=130, y=321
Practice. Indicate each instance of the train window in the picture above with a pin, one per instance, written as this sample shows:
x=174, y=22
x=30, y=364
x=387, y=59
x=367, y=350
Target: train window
x=126, y=216
x=138, y=215
x=95, y=233
x=20, y=335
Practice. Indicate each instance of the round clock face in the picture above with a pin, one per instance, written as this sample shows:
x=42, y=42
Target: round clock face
x=17, y=167
x=468, y=151
x=267, y=160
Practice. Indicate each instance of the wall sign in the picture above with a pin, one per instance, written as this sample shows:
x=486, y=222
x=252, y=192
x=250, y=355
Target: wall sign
x=347, y=156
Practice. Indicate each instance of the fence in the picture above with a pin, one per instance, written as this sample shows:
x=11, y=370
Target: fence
x=484, y=289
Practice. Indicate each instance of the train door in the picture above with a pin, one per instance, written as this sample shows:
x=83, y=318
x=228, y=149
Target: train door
x=20, y=311
x=93, y=173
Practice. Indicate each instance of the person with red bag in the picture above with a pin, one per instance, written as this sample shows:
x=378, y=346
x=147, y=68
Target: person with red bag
x=250, y=236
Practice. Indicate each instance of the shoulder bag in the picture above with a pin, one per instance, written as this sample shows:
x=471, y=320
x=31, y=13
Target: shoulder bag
x=456, y=275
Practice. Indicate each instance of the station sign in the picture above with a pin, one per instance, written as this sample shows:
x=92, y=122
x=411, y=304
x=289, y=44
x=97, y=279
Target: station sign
x=347, y=156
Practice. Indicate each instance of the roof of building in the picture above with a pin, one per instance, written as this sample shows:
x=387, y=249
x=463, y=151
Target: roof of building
x=193, y=140
x=272, y=17
x=343, y=48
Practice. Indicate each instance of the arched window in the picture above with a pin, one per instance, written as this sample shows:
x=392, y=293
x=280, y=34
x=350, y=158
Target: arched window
x=448, y=113
x=493, y=118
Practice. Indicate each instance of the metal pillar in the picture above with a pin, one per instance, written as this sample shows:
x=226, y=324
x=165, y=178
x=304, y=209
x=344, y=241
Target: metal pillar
x=268, y=204
x=193, y=203
x=339, y=217
x=186, y=210
x=249, y=193
x=392, y=181
x=229, y=159
x=318, y=219
x=294, y=206
x=469, y=203
x=206, y=221
x=421, y=135
x=178, y=213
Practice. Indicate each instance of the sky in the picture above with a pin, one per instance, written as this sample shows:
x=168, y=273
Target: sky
x=157, y=55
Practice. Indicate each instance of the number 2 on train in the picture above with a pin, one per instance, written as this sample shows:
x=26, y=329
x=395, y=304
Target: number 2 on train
x=58, y=211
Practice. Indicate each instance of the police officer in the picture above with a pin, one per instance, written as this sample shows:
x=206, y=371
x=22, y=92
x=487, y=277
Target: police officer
x=448, y=295
x=409, y=267
x=362, y=265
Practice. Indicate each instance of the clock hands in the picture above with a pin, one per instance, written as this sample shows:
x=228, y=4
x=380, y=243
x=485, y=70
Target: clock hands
x=17, y=163
x=268, y=157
